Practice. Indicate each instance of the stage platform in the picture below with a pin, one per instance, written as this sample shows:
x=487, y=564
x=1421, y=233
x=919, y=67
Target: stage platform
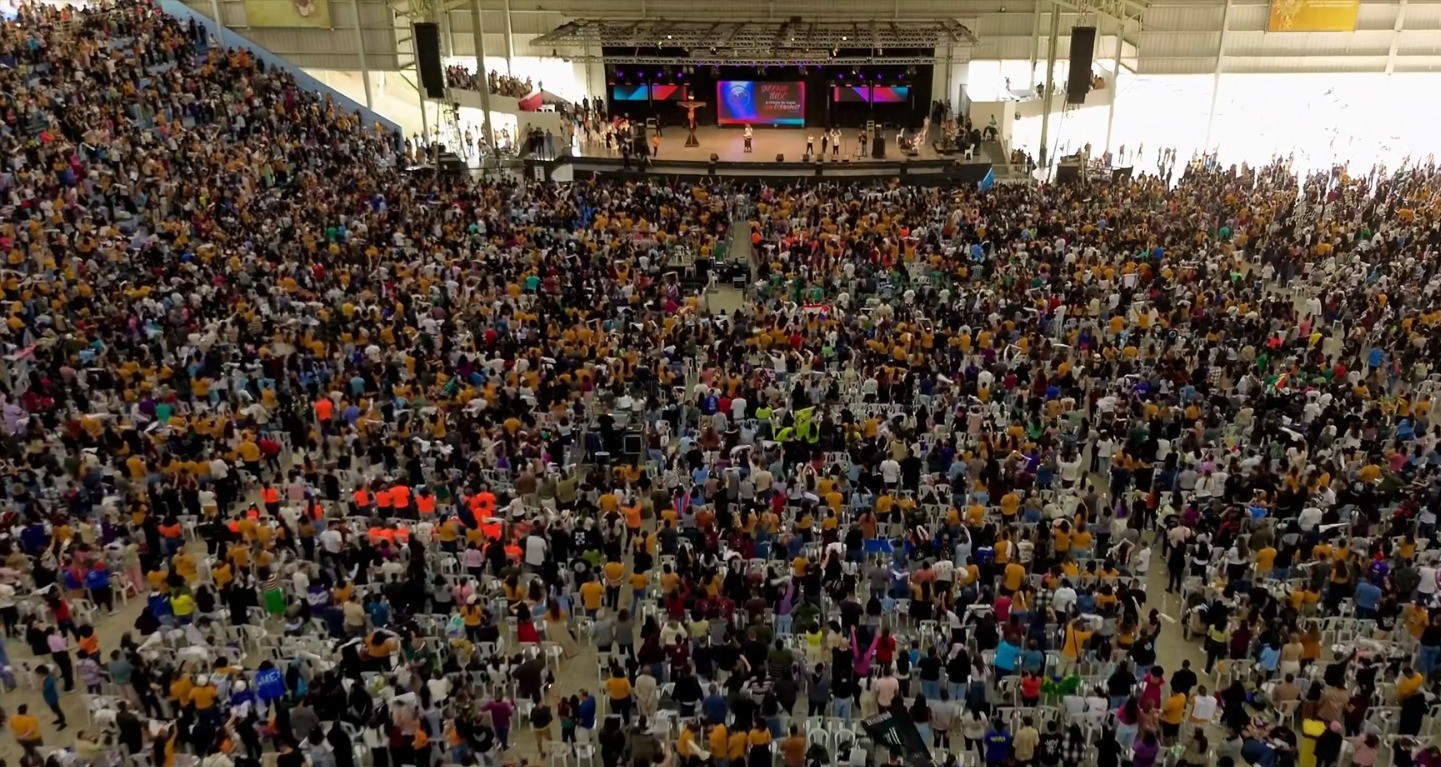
x=676, y=159
x=729, y=145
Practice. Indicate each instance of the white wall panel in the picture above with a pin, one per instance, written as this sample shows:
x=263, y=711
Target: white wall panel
x=1327, y=44
x=1300, y=64
x=1170, y=45
x=1163, y=66
x=1377, y=16
x=1414, y=42
x=1423, y=15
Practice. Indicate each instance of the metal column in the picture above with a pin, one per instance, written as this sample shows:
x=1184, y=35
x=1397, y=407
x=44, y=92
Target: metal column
x=1035, y=44
x=950, y=65
x=1115, y=79
x=360, y=48
x=1049, y=91
x=509, y=41
x=1396, y=30
x=219, y=23
x=424, y=123
x=477, y=30
x=590, y=75
x=1216, y=77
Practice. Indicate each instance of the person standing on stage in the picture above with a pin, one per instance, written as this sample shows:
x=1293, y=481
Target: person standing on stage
x=825, y=142
x=810, y=144
x=835, y=143
x=748, y=137
x=863, y=142
x=655, y=145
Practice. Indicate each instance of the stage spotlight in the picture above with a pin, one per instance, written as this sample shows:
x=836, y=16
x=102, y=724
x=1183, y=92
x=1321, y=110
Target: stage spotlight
x=844, y=38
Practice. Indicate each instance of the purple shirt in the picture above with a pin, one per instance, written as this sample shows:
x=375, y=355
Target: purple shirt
x=500, y=713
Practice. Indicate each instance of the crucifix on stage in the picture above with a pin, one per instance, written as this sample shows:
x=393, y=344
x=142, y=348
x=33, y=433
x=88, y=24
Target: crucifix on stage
x=691, y=140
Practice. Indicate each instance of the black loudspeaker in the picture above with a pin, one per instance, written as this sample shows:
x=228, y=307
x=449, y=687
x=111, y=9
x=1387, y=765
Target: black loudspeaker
x=1078, y=83
x=878, y=148
x=780, y=157
x=1068, y=173
x=427, y=58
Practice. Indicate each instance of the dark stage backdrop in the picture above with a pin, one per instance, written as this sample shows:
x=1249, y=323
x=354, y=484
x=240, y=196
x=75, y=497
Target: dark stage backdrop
x=821, y=109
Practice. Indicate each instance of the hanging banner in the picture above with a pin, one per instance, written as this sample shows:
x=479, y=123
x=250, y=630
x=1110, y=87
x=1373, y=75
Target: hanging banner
x=899, y=735
x=311, y=14
x=1313, y=15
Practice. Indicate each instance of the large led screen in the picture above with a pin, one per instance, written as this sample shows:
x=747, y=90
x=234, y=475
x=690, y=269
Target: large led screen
x=876, y=94
x=657, y=92
x=667, y=92
x=630, y=93
x=761, y=103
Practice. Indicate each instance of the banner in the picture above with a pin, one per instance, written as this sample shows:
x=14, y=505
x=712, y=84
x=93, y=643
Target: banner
x=313, y=14
x=1313, y=16
x=899, y=735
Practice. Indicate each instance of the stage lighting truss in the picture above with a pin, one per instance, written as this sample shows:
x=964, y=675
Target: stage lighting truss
x=787, y=43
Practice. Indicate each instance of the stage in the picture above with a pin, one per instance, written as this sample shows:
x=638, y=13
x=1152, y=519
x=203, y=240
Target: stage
x=729, y=146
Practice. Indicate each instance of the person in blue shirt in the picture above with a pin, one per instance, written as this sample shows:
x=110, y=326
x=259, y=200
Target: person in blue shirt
x=1008, y=654
x=50, y=692
x=1368, y=599
x=998, y=744
x=714, y=707
x=585, y=712
x=378, y=611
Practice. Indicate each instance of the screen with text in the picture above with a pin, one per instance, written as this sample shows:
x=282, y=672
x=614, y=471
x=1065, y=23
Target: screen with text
x=761, y=103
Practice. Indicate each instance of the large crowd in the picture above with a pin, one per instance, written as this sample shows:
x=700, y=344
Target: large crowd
x=385, y=455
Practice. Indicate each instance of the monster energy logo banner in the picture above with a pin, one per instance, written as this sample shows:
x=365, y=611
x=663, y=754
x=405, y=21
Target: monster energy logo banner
x=899, y=734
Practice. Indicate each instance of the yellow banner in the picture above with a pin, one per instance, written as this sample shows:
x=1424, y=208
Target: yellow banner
x=1313, y=15
x=312, y=14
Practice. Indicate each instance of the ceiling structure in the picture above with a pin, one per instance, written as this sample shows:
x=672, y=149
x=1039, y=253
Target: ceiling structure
x=1160, y=36
x=1164, y=37
x=794, y=41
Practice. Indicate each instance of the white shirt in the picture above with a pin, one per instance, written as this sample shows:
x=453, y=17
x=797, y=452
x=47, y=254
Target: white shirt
x=1141, y=561
x=1065, y=597
x=945, y=570
x=890, y=471
x=1427, y=585
x=535, y=550
x=332, y=541
x=1203, y=708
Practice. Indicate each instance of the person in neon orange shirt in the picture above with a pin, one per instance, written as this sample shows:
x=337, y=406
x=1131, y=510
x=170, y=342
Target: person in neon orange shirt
x=400, y=500
x=324, y=412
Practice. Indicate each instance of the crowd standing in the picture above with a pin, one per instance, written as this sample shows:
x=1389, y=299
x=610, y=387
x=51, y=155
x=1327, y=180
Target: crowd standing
x=385, y=454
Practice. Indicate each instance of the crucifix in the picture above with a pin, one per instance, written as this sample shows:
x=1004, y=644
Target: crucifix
x=691, y=140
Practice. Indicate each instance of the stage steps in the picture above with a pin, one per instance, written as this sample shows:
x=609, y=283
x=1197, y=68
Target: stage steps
x=1006, y=173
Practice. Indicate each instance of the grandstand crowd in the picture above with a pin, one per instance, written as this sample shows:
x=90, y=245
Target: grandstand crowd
x=457, y=76
x=387, y=456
